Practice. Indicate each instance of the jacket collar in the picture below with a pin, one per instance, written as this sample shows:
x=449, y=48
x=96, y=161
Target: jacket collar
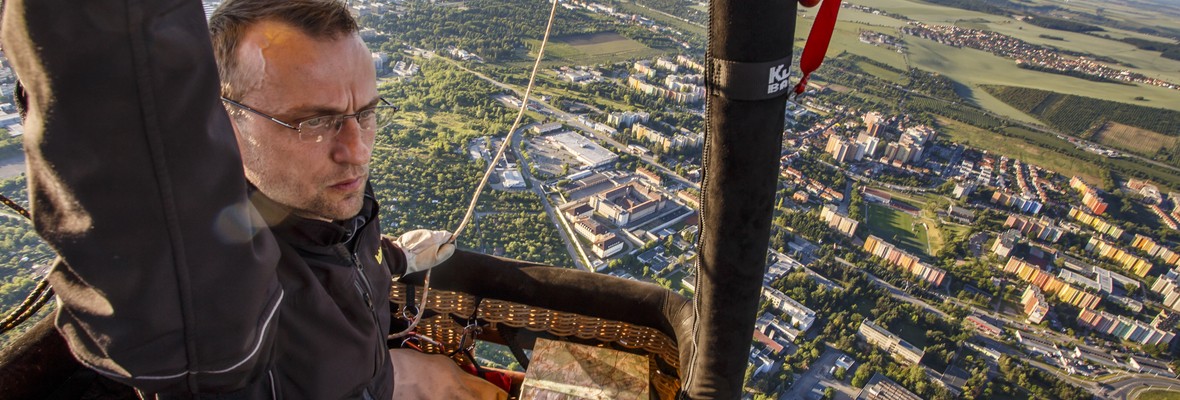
x=312, y=232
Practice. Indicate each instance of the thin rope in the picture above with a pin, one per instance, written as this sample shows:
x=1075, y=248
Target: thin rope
x=524, y=104
x=37, y=297
x=29, y=307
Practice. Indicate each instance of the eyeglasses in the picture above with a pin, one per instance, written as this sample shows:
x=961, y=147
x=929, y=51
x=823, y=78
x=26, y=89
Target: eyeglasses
x=317, y=129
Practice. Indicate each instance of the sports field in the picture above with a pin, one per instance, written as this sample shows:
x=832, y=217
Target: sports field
x=595, y=48
x=1131, y=138
x=898, y=228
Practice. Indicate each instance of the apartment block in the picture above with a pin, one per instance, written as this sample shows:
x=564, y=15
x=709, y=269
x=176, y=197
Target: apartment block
x=892, y=344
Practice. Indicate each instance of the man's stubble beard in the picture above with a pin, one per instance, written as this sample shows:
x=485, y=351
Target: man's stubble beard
x=327, y=205
x=324, y=204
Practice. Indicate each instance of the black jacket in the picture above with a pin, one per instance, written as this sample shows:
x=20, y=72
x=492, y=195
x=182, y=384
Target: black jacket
x=171, y=279
x=334, y=317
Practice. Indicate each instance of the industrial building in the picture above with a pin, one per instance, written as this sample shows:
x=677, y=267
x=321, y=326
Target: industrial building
x=585, y=150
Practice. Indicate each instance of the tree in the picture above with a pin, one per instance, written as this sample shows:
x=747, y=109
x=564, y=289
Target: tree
x=862, y=376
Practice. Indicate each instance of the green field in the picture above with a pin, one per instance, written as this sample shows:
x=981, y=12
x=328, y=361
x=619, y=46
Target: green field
x=594, y=48
x=925, y=12
x=897, y=228
x=847, y=38
x=1133, y=139
x=973, y=67
x=665, y=19
x=1159, y=395
x=1027, y=152
x=1148, y=13
x=857, y=16
x=1145, y=62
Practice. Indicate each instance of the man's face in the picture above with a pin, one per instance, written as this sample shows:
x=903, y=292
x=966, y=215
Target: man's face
x=291, y=76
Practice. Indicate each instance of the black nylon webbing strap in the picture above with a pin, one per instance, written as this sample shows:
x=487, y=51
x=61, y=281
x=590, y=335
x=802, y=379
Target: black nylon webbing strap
x=751, y=81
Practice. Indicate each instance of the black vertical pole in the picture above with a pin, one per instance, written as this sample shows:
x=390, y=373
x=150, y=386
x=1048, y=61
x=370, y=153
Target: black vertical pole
x=750, y=44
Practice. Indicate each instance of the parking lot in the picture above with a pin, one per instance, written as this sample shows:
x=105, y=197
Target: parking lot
x=549, y=158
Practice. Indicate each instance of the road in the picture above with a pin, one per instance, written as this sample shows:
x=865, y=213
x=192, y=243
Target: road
x=896, y=292
x=580, y=259
x=803, y=385
x=1128, y=389
x=1120, y=390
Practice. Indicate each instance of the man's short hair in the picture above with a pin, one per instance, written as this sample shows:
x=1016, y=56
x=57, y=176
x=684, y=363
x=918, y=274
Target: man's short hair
x=322, y=19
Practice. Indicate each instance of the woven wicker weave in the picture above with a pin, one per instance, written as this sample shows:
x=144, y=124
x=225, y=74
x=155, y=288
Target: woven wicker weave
x=562, y=324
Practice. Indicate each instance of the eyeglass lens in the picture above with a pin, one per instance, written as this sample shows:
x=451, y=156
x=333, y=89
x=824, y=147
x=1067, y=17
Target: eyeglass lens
x=320, y=128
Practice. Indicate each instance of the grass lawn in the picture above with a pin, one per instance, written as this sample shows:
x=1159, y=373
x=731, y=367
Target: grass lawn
x=1159, y=395
x=898, y=228
x=594, y=48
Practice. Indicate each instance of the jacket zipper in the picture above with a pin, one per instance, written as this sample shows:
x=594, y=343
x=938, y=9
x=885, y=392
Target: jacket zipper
x=366, y=293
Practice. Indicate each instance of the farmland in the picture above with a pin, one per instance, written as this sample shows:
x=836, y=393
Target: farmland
x=595, y=48
x=1134, y=139
x=1076, y=115
x=972, y=68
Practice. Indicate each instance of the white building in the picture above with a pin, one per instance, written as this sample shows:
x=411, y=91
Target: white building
x=801, y=317
x=585, y=150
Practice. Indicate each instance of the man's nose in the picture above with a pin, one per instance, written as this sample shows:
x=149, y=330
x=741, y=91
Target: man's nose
x=352, y=145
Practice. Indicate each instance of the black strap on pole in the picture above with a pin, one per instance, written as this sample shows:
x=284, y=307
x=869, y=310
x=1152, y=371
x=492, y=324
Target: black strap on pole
x=750, y=44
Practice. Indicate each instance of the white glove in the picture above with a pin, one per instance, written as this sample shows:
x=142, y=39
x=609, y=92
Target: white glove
x=425, y=248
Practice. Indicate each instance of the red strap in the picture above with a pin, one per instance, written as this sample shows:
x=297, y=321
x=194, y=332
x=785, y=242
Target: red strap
x=817, y=41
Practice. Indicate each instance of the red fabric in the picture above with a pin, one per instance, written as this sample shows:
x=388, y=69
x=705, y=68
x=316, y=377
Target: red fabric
x=500, y=379
x=817, y=41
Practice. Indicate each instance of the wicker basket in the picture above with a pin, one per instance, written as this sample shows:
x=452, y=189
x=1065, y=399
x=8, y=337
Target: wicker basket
x=639, y=339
